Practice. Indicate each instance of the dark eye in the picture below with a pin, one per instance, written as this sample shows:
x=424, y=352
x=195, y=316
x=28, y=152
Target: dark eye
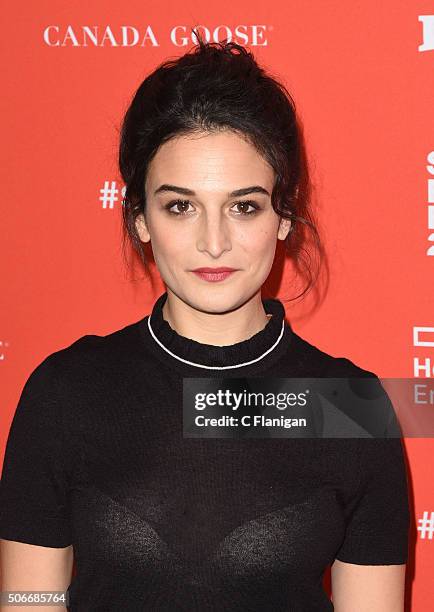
x=180, y=203
x=245, y=204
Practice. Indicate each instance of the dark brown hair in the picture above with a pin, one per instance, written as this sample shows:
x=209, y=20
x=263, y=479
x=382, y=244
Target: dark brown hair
x=220, y=86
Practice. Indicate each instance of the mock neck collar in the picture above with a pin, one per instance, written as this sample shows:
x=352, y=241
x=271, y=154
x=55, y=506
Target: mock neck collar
x=253, y=354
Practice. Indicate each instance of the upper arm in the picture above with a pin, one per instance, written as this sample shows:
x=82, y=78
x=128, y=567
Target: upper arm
x=367, y=588
x=378, y=513
x=26, y=567
x=34, y=487
x=368, y=573
x=35, y=530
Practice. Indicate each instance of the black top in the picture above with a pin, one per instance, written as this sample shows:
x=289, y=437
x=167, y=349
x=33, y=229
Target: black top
x=96, y=458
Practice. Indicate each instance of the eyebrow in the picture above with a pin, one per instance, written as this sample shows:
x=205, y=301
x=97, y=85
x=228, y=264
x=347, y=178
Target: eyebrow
x=238, y=192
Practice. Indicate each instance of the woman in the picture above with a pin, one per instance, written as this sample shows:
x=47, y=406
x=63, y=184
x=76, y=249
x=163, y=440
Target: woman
x=97, y=460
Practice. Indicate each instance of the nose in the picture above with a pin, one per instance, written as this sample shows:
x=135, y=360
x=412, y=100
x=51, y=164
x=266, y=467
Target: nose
x=213, y=235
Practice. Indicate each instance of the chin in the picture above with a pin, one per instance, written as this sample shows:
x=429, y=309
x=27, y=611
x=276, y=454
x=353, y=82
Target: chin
x=210, y=300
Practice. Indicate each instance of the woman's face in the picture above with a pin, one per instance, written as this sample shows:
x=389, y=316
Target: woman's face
x=193, y=220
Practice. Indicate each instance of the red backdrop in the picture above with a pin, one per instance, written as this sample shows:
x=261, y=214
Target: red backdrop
x=362, y=77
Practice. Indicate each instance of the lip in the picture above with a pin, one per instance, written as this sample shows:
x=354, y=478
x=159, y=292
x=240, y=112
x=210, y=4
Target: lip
x=213, y=275
x=214, y=270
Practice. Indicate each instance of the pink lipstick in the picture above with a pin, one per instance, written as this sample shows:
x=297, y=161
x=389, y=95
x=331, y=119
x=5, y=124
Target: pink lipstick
x=213, y=275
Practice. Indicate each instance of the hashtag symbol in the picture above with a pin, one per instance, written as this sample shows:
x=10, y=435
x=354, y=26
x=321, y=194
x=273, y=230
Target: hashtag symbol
x=426, y=526
x=109, y=194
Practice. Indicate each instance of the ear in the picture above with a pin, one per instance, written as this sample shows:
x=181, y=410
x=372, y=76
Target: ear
x=284, y=227
x=142, y=228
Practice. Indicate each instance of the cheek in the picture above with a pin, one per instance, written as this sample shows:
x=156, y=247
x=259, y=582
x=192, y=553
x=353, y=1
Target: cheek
x=257, y=241
x=170, y=246
x=259, y=249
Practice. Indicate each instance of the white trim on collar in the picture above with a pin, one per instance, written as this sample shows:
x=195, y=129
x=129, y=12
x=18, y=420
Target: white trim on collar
x=200, y=365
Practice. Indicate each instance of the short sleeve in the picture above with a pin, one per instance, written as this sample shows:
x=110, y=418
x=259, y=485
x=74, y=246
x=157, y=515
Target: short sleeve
x=33, y=487
x=378, y=515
